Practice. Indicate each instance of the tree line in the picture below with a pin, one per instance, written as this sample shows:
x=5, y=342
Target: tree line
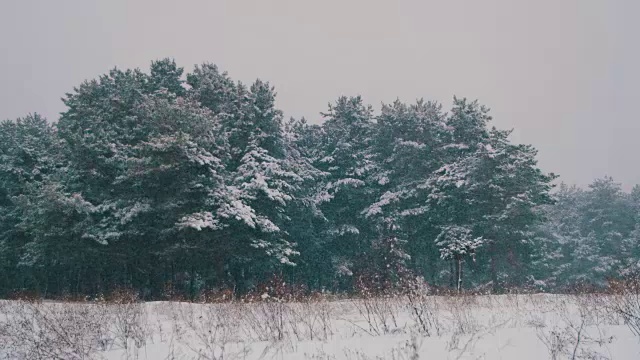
x=162, y=182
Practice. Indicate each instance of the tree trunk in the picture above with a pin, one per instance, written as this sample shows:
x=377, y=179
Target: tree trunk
x=459, y=272
x=454, y=276
x=493, y=268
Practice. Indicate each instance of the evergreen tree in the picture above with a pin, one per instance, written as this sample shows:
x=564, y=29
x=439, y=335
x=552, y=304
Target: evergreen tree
x=29, y=155
x=165, y=74
x=457, y=243
x=347, y=159
x=492, y=185
x=407, y=149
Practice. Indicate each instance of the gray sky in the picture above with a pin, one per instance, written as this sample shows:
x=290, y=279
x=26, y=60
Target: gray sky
x=563, y=73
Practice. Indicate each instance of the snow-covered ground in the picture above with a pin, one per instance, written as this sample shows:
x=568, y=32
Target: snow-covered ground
x=519, y=327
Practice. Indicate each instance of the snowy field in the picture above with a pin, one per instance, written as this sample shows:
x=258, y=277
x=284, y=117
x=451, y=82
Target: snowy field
x=519, y=327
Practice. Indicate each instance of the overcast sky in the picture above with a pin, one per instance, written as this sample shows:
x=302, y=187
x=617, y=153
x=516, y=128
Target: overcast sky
x=563, y=73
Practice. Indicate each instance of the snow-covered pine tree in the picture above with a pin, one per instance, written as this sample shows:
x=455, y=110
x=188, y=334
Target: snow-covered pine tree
x=262, y=180
x=406, y=151
x=607, y=219
x=457, y=244
x=556, y=237
x=165, y=74
x=631, y=243
x=177, y=185
x=590, y=235
x=150, y=163
x=345, y=145
x=216, y=91
x=100, y=129
x=307, y=222
x=29, y=155
x=492, y=184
